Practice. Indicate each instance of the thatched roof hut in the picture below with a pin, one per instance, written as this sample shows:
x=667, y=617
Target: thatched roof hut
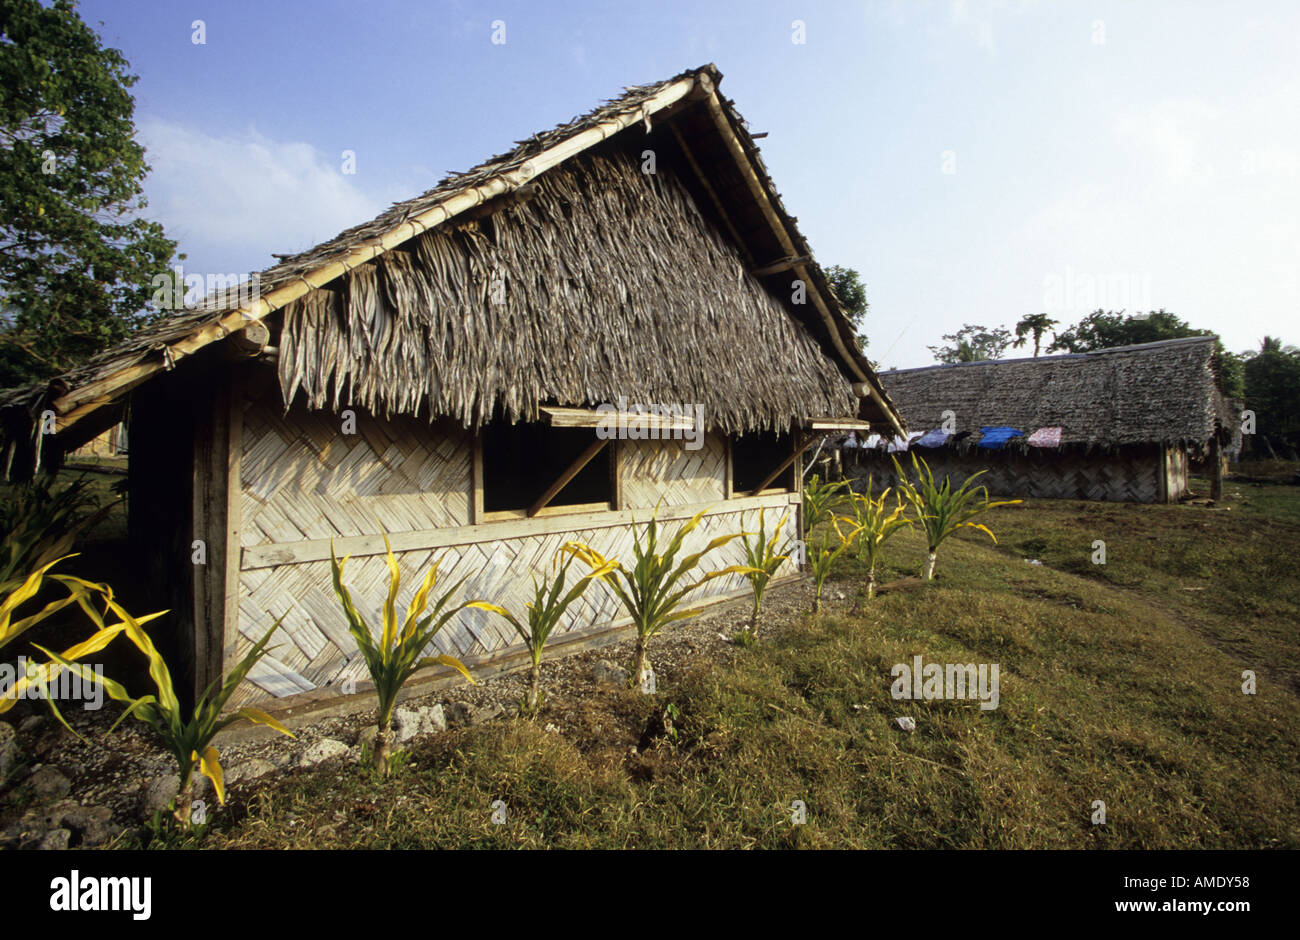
x=436, y=373
x=492, y=291
x=1116, y=423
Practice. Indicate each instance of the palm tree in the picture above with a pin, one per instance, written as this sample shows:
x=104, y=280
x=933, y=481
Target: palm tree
x=1274, y=344
x=1035, y=325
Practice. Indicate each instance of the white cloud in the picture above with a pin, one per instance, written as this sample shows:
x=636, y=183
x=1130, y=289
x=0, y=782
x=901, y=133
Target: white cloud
x=230, y=201
x=1197, y=210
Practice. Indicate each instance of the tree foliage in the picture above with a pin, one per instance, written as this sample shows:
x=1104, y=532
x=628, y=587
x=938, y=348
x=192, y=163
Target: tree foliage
x=1105, y=329
x=75, y=257
x=1272, y=391
x=973, y=343
x=1034, y=325
x=852, y=293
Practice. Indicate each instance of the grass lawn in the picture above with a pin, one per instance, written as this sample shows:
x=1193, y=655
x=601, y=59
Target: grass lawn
x=1120, y=682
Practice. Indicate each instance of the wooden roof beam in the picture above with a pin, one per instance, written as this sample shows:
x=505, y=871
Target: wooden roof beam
x=573, y=470
x=713, y=194
x=794, y=455
x=776, y=267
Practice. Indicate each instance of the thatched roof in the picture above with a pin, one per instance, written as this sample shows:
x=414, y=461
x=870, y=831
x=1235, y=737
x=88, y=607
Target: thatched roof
x=594, y=303
x=686, y=299
x=1164, y=392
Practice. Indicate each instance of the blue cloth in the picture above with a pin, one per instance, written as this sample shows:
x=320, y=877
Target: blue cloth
x=995, y=437
x=936, y=438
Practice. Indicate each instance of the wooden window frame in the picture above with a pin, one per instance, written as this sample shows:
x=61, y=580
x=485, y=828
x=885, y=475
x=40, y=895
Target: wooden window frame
x=480, y=516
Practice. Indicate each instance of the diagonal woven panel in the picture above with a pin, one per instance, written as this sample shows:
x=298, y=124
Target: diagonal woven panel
x=652, y=470
x=303, y=478
x=314, y=649
x=1107, y=477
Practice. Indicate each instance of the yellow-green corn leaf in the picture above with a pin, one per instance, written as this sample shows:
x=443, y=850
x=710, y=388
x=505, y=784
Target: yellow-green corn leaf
x=420, y=601
x=390, y=609
x=452, y=661
x=492, y=608
x=259, y=717
x=210, y=767
x=983, y=528
x=158, y=671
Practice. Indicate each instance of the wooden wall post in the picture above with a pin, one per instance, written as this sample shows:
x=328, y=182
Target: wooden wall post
x=215, y=452
x=1216, y=468
x=476, y=480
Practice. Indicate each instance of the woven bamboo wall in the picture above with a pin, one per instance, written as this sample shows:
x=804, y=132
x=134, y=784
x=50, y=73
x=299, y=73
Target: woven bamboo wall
x=654, y=469
x=302, y=480
x=105, y=445
x=1128, y=475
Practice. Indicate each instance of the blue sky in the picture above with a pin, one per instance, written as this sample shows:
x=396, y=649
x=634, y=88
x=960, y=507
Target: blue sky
x=975, y=161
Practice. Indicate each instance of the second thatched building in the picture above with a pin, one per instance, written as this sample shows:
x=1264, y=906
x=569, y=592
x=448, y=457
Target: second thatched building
x=1116, y=424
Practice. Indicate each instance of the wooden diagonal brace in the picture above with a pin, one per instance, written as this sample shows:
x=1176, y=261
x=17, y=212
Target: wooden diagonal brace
x=563, y=480
x=794, y=455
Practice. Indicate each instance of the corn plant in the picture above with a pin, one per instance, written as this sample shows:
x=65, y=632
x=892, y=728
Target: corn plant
x=876, y=523
x=396, y=654
x=652, y=590
x=763, y=562
x=818, y=497
x=543, y=615
x=824, y=554
x=941, y=510
x=189, y=740
x=18, y=591
x=41, y=521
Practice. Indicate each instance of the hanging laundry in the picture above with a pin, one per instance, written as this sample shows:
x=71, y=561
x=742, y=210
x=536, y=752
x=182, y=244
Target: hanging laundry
x=900, y=443
x=995, y=437
x=936, y=438
x=873, y=441
x=851, y=440
x=1045, y=437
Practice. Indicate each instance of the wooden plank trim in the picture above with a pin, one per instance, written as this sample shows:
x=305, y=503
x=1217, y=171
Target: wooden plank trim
x=476, y=513
x=307, y=550
x=209, y=522
x=234, y=525
x=837, y=424
x=592, y=418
